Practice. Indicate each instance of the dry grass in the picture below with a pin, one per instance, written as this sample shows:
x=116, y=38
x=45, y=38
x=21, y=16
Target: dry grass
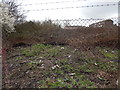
x=48, y=32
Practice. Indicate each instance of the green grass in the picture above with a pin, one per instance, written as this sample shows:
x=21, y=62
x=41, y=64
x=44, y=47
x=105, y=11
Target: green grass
x=67, y=75
x=86, y=68
x=108, y=53
x=70, y=71
x=28, y=53
x=34, y=64
x=19, y=58
x=67, y=82
x=107, y=66
x=35, y=50
x=52, y=52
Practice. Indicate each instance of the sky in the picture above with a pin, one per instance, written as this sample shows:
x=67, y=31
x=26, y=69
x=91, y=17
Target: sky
x=101, y=12
x=71, y=13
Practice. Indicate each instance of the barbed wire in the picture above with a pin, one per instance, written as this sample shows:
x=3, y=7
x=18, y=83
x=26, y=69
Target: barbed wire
x=52, y=2
x=102, y=5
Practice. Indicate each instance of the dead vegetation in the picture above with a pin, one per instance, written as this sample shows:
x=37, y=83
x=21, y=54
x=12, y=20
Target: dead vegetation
x=48, y=32
x=44, y=55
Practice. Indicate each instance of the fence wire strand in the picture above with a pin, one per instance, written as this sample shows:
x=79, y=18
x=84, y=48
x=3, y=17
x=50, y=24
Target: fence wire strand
x=77, y=7
x=52, y=2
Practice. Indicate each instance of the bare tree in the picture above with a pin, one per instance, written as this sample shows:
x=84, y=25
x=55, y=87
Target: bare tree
x=14, y=10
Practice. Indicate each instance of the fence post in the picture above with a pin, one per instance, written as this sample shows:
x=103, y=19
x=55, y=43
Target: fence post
x=5, y=66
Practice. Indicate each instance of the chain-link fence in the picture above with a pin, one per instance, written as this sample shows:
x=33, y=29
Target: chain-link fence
x=78, y=32
x=76, y=40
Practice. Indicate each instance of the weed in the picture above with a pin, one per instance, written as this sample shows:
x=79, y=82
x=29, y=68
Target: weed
x=35, y=49
x=110, y=54
x=52, y=52
x=40, y=46
x=19, y=58
x=27, y=52
x=107, y=66
x=86, y=68
x=63, y=61
x=66, y=82
x=34, y=64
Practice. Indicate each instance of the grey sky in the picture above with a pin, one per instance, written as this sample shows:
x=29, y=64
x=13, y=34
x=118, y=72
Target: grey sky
x=91, y=12
x=74, y=13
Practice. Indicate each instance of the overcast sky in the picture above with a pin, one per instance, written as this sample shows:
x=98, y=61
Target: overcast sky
x=71, y=13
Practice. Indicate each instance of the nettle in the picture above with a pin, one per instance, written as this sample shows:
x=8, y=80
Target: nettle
x=7, y=20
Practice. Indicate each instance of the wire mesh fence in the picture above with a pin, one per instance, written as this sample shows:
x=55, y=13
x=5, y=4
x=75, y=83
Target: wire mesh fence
x=80, y=34
x=89, y=29
x=75, y=32
x=86, y=22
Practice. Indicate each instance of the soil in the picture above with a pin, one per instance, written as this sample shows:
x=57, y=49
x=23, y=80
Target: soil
x=18, y=74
